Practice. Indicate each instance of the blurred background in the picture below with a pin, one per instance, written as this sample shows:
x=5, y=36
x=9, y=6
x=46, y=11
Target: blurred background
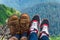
x=49, y=9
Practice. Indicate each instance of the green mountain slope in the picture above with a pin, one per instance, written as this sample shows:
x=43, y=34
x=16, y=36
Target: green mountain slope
x=6, y=12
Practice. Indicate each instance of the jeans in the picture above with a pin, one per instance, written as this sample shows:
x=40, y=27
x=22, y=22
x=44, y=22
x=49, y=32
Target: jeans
x=20, y=35
x=32, y=36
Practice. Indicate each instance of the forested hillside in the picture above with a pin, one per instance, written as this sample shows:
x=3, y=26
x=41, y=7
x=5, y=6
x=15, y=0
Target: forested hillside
x=6, y=12
x=51, y=11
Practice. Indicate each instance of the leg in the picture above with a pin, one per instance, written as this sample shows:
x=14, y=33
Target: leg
x=34, y=28
x=19, y=37
x=24, y=36
x=24, y=25
x=13, y=23
x=44, y=38
x=33, y=36
x=16, y=37
x=44, y=34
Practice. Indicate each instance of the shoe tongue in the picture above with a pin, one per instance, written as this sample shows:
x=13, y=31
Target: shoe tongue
x=34, y=20
x=45, y=24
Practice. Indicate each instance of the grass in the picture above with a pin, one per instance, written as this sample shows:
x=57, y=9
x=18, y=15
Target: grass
x=55, y=38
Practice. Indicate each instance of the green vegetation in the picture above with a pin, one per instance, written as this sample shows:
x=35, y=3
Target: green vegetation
x=55, y=38
x=6, y=12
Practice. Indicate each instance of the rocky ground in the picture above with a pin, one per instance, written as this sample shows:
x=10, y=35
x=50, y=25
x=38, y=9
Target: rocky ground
x=4, y=33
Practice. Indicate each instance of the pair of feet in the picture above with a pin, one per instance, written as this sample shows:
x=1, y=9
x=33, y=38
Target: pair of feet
x=19, y=25
x=43, y=27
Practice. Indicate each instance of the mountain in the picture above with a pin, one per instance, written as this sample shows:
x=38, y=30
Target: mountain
x=51, y=11
x=22, y=4
x=5, y=12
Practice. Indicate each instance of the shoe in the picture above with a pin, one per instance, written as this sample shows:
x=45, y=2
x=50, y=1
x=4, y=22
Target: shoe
x=44, y=22
x=13, y=23
x=44, y=27
x=24, y=23
x=34, y=24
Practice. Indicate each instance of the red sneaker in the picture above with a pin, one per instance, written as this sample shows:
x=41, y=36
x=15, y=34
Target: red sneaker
x=34, y=24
